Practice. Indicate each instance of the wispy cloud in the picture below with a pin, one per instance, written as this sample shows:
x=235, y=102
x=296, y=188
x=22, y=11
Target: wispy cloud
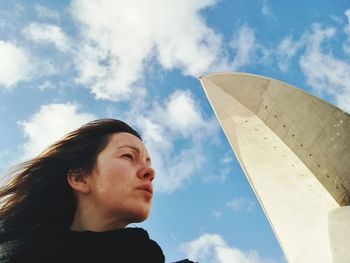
x=177, y=121
x=346, y=45
x=50, y=124
x=46, y=85
x=217, y=214
x=324, y=72
x=46, y=13
x=286, y=50
x=266, y=9
x=15, y=64
x=241, y=204
x=221, y=171
x=244, y=44
x=192, y=46
x=112, y=28
x=327, y=74
x=18, y=9
x=47, y=34
x=227, y=158
x=182, y=114
x=213, y=248
x=7, y=159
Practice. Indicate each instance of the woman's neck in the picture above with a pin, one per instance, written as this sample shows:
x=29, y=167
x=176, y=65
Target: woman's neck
x=88, y=219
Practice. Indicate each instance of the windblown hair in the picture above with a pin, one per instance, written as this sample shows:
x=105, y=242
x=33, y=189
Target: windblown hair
x=39, y=192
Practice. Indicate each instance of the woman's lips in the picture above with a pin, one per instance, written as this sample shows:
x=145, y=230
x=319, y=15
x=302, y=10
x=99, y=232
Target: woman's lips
x=147, y=188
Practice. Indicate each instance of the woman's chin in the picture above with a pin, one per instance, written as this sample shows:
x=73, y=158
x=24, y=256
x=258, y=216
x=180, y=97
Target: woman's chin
x=140, y=216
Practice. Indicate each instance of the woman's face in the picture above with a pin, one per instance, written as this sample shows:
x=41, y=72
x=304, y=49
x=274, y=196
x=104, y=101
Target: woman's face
x=121, y=182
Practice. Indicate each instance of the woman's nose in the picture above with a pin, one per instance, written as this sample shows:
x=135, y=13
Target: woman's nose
x=147, y=172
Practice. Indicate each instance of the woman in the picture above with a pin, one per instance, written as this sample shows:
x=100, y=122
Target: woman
x=73, y=202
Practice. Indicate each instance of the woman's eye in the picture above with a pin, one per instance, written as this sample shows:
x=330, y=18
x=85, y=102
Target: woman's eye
x=128, y=156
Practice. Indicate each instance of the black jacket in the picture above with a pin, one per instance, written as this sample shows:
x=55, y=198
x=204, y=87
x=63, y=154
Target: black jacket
x=20, y=243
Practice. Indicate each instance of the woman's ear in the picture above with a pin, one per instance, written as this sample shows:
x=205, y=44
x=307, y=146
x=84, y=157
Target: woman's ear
x=78, y=180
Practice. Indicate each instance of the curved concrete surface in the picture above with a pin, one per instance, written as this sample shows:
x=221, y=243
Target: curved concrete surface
x=294, y=150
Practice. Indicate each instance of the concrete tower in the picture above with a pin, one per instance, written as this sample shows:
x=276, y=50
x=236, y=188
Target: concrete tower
x=294, y=149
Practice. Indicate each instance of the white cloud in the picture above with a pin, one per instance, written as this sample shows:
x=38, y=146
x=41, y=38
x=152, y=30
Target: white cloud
x=266, y=9
x=18, y=9
x=213, y=248
x=7, y=159
x=346, y=45
x=50, y=124
x=227, y=159
x=15, y=64
x=217, y=214
x=218, y=175
x=178, y=116
x=44, y=12
x=172, y=33
x=324, y=72
x=221, y=171
x=47, y=34
x=174, y=171
x=168, y=124
x=286, y=50
x=241, y=204
x=245, y=45
x=152, y=131
x=46, y=85
x=113, y=28
x=182, y=114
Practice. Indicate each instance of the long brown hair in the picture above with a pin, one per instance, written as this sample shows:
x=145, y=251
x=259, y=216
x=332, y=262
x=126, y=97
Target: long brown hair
x=39, y=192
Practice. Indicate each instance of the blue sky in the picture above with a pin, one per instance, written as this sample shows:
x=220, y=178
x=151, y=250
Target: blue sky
x=63, y=63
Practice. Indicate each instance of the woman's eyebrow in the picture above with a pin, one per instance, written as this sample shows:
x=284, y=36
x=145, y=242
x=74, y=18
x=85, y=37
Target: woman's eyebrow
x=130, y=146
x=148, y=159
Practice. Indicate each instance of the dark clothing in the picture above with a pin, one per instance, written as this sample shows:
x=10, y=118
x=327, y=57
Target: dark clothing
x=19, y=243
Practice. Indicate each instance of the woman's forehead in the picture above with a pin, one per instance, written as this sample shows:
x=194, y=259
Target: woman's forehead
x=126, y=140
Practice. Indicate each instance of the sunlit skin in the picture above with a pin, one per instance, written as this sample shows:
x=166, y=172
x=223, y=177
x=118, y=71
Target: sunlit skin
x=118, y=191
